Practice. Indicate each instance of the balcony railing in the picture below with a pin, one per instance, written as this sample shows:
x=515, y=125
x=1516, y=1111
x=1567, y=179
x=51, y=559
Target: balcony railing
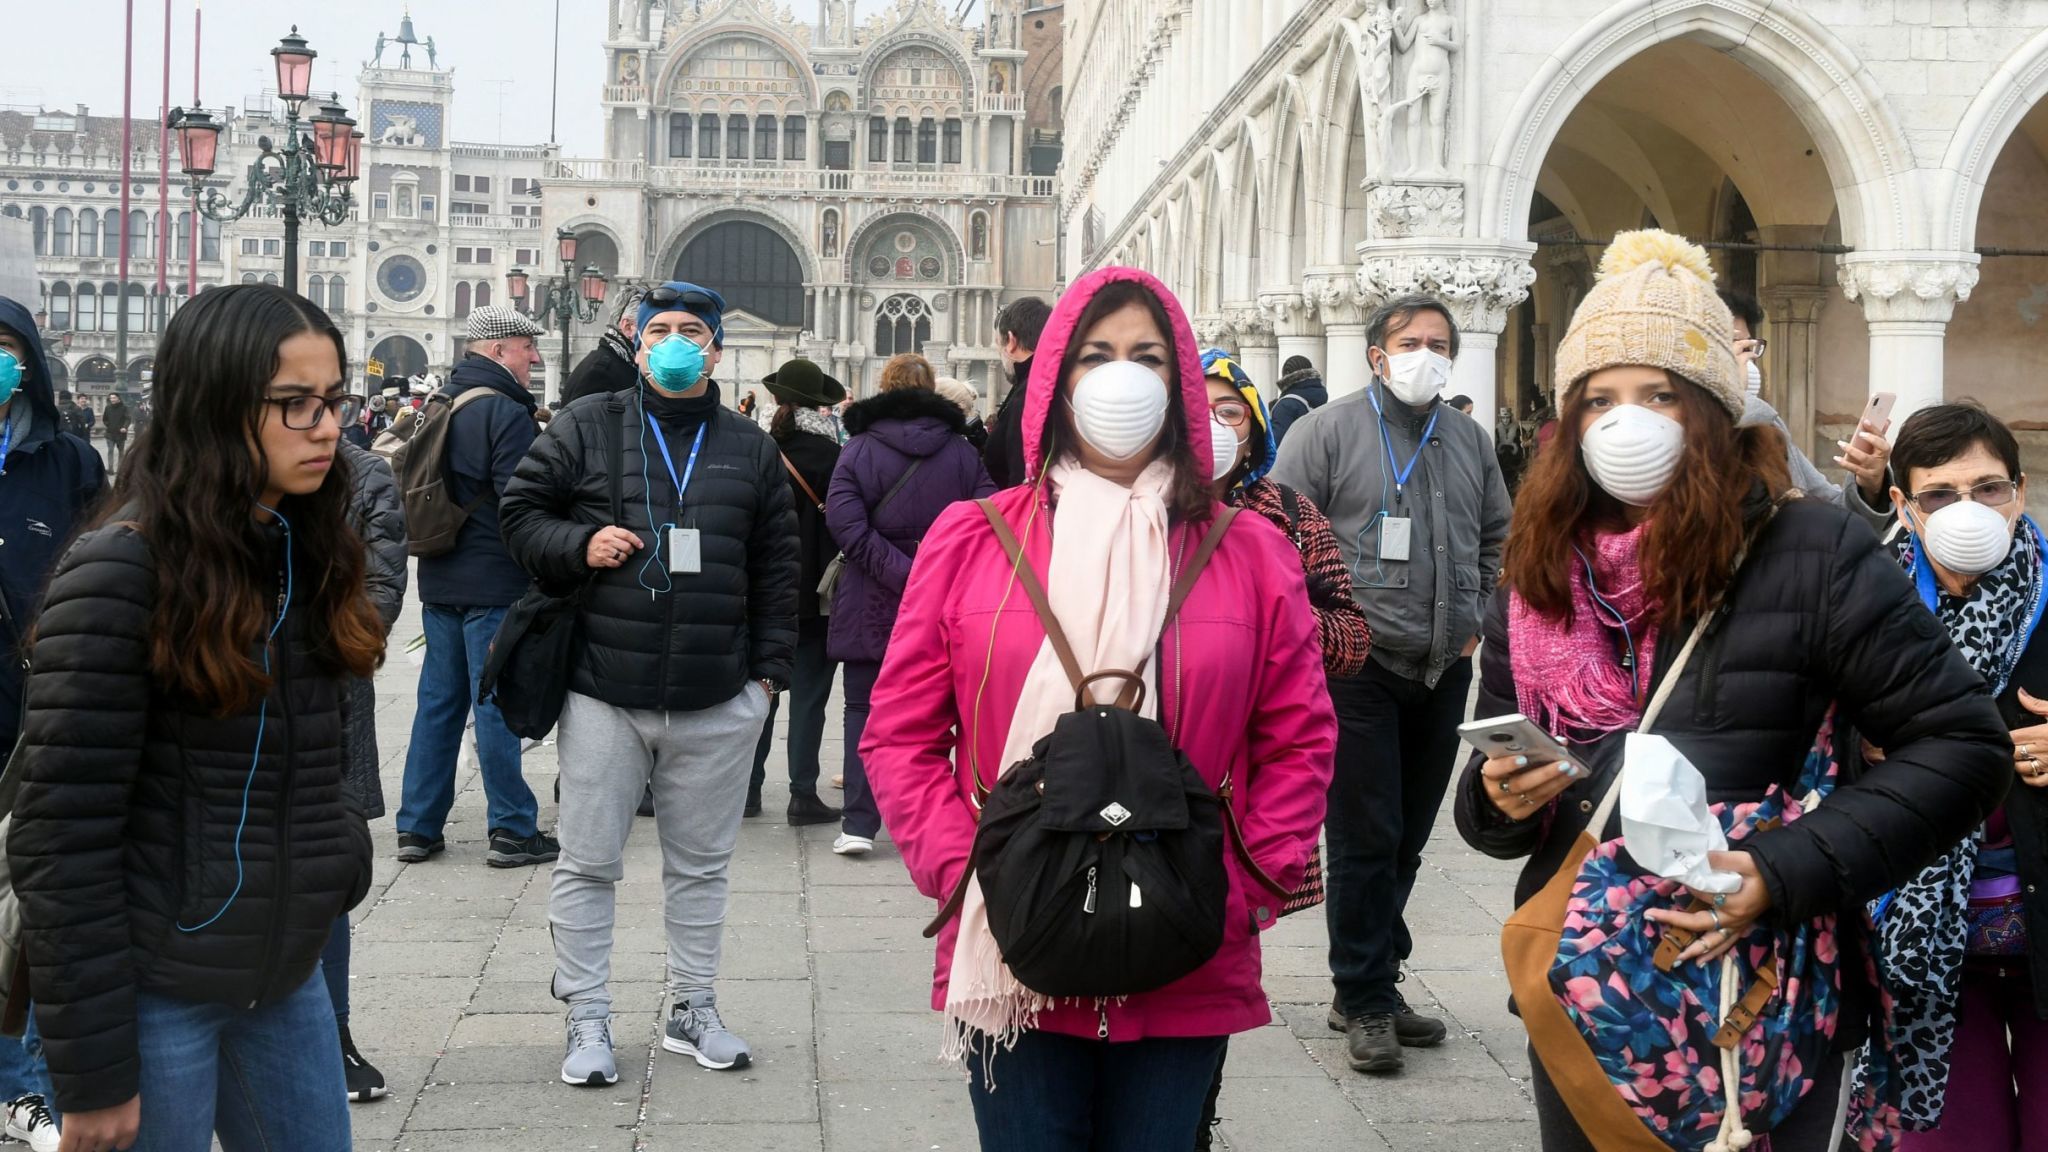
x=712, y=177
x=1002, y=102
x=498, y=222
x=625, y=93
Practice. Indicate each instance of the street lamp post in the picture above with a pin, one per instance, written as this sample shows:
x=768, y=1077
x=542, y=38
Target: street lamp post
x=309, y=177
x=564, y=299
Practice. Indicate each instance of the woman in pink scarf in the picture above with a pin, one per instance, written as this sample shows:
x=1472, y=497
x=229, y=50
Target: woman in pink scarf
x=1117, y=499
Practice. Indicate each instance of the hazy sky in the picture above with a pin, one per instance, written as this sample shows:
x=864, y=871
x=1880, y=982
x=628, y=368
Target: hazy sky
x=68, y=52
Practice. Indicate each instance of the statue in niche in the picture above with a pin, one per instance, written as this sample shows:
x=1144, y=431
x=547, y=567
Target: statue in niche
x=978, y=238
x=838, y=22
x=998, y=79
x=831, y=234
x=1428, y=39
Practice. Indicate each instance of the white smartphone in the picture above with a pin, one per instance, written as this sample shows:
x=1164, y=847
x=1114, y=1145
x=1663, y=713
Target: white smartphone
x=1513, y=735
x=1879, y=412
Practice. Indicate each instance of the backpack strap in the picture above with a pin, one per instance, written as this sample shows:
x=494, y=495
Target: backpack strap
x=1054, y=634
x=615, y=452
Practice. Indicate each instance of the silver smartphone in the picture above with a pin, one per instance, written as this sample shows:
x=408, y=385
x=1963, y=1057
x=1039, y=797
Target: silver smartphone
x=1513, y=735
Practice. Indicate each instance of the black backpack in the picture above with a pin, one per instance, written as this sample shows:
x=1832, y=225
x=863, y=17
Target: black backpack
x=1101, y=856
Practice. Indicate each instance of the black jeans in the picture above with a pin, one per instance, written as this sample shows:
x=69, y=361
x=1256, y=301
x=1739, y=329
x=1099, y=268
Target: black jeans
x=861, y=817
x=1397, y=743
x=1067, y=1094
x=810, y=689
x=1810, y=1127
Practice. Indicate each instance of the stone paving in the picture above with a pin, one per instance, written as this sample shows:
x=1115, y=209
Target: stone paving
x=827, y=976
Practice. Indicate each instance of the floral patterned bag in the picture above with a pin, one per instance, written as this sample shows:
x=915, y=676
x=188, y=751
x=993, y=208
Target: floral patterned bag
x=1654, y=1056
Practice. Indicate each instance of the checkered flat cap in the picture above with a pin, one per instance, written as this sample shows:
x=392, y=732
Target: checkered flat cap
x=497, y=322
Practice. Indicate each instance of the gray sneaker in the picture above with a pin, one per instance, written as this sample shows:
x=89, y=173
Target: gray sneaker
x=695, y=1030
x=589, y=1062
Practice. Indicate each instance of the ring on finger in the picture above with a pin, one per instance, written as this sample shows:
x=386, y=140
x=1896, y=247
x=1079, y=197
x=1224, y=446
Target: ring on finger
x=1505, y=787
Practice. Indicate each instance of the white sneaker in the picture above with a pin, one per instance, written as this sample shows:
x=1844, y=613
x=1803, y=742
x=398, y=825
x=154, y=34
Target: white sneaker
x=851, y=845
x=28, y=1120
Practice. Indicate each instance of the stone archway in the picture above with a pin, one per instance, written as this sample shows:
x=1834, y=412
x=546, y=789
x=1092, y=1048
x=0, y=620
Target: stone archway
x=859, y=256
x=1819, y=78
x=753, y=266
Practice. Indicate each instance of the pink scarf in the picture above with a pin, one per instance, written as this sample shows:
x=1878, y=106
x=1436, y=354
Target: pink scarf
x=1568, y=675
x=1109, y=579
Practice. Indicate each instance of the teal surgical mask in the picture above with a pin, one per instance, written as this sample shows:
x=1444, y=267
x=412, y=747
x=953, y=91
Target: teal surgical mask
x=677, y=363
x=10, y=375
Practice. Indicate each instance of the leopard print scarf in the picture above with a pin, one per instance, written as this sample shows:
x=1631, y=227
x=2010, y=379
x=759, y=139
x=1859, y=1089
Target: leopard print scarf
x=1923, y=928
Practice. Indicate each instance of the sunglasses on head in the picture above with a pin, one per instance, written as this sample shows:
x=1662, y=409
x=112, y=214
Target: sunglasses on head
x=690, y=298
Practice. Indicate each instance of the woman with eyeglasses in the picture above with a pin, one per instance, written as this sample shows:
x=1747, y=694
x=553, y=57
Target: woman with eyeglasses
x=181, y=842
x=1242, y=450
x=1655, y=518
x=1956, y=941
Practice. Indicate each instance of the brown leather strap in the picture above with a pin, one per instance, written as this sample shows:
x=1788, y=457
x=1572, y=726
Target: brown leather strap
x=1244, y=854
x=801, y=482
x=1185, y=586
x=1743, y=1016
x=951, y=908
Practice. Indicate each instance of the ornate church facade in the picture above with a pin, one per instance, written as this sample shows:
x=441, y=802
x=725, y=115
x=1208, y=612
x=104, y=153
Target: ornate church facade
x=1869, y=171
x=855, y=189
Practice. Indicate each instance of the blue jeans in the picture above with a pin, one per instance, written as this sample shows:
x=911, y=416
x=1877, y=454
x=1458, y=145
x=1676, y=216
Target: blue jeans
x=262, y=1079
x=334, y=967
x=1066, y=1094
x=458, y=642
x=22, y=1069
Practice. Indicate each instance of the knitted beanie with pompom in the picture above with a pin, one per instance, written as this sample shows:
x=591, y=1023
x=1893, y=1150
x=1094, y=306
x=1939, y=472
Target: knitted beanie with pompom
x=1655, y=305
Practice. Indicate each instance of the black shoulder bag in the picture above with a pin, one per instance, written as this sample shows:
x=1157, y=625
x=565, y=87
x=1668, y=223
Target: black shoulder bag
x=527, y=673
x=1101, y=856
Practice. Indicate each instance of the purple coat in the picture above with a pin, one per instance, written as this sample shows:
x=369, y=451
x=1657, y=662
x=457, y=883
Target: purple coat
x=889, y=432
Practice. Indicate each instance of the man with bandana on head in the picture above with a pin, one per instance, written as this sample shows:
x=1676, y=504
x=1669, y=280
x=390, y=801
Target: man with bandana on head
x=687, y=628
x=49, y=481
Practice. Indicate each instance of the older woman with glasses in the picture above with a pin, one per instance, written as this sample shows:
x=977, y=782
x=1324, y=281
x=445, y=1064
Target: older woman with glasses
x=1956, y=940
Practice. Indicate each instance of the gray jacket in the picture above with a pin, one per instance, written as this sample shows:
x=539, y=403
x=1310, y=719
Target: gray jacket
x=1805, y=477
x=380, y=520
x=1423, y=610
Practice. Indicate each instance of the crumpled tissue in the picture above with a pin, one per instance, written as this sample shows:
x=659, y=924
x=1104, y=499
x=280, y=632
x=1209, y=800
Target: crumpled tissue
x=1665, y=822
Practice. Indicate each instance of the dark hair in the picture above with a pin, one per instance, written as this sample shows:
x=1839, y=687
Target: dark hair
x=1024, y=318
x=1395, y=315
x=1460, y=402
x=1934, y=436
x=1297, y=364
x=1699, y=524
x=191, y=486
x=1189, y=498
x=1745, y=308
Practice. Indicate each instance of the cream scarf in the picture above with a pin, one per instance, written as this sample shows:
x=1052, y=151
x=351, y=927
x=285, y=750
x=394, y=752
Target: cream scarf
x=1109, y=581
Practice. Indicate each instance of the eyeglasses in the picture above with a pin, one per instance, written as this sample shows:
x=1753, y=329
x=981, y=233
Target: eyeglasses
x=1233, y=413
x=1991, y=494
x=302, y=413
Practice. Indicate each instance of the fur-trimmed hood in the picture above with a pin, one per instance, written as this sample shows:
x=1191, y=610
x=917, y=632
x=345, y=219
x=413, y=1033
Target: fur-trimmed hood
x=914, y=421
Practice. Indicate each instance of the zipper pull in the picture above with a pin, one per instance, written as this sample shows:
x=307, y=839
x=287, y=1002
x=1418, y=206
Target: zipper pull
x=1102, y=1029
x=1088, y=905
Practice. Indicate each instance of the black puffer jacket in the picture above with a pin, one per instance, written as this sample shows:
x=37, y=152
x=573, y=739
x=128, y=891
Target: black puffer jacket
x=697, y=645
x=814, y=457
x=1819, y=614
x=124, y=832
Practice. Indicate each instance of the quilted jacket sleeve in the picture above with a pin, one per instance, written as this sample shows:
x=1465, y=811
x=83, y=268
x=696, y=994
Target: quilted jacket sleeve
x=1902, y=683
x=88, y=709
x=381, y=520
x=537, y=512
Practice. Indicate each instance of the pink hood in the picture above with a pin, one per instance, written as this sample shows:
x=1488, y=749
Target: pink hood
x=1059, y=332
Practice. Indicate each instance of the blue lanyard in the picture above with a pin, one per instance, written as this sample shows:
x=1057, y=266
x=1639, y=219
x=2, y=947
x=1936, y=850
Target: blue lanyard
x=689, y=469
x=6, y=444
x=1401, y=474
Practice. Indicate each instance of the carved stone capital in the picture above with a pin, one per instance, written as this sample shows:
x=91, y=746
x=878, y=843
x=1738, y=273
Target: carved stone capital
x=1479, y=285
x=1795, y=303
x=1253, y=328
x=1213, y=331
x=1399, y=210
x=1290, y=314
x=1335, y=296
x=1909, y=287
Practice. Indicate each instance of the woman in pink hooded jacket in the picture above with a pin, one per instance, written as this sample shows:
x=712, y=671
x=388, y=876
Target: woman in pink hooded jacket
x=1117, y=498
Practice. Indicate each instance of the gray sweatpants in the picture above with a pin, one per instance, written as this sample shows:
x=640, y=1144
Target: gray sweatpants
x=699, y=764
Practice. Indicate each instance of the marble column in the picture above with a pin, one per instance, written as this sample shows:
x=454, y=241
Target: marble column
x=1343, y=309
x=1296, y=331
x=1792, y=362
x=1908, y=299
x=1256, y=349
x=1480, y=282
